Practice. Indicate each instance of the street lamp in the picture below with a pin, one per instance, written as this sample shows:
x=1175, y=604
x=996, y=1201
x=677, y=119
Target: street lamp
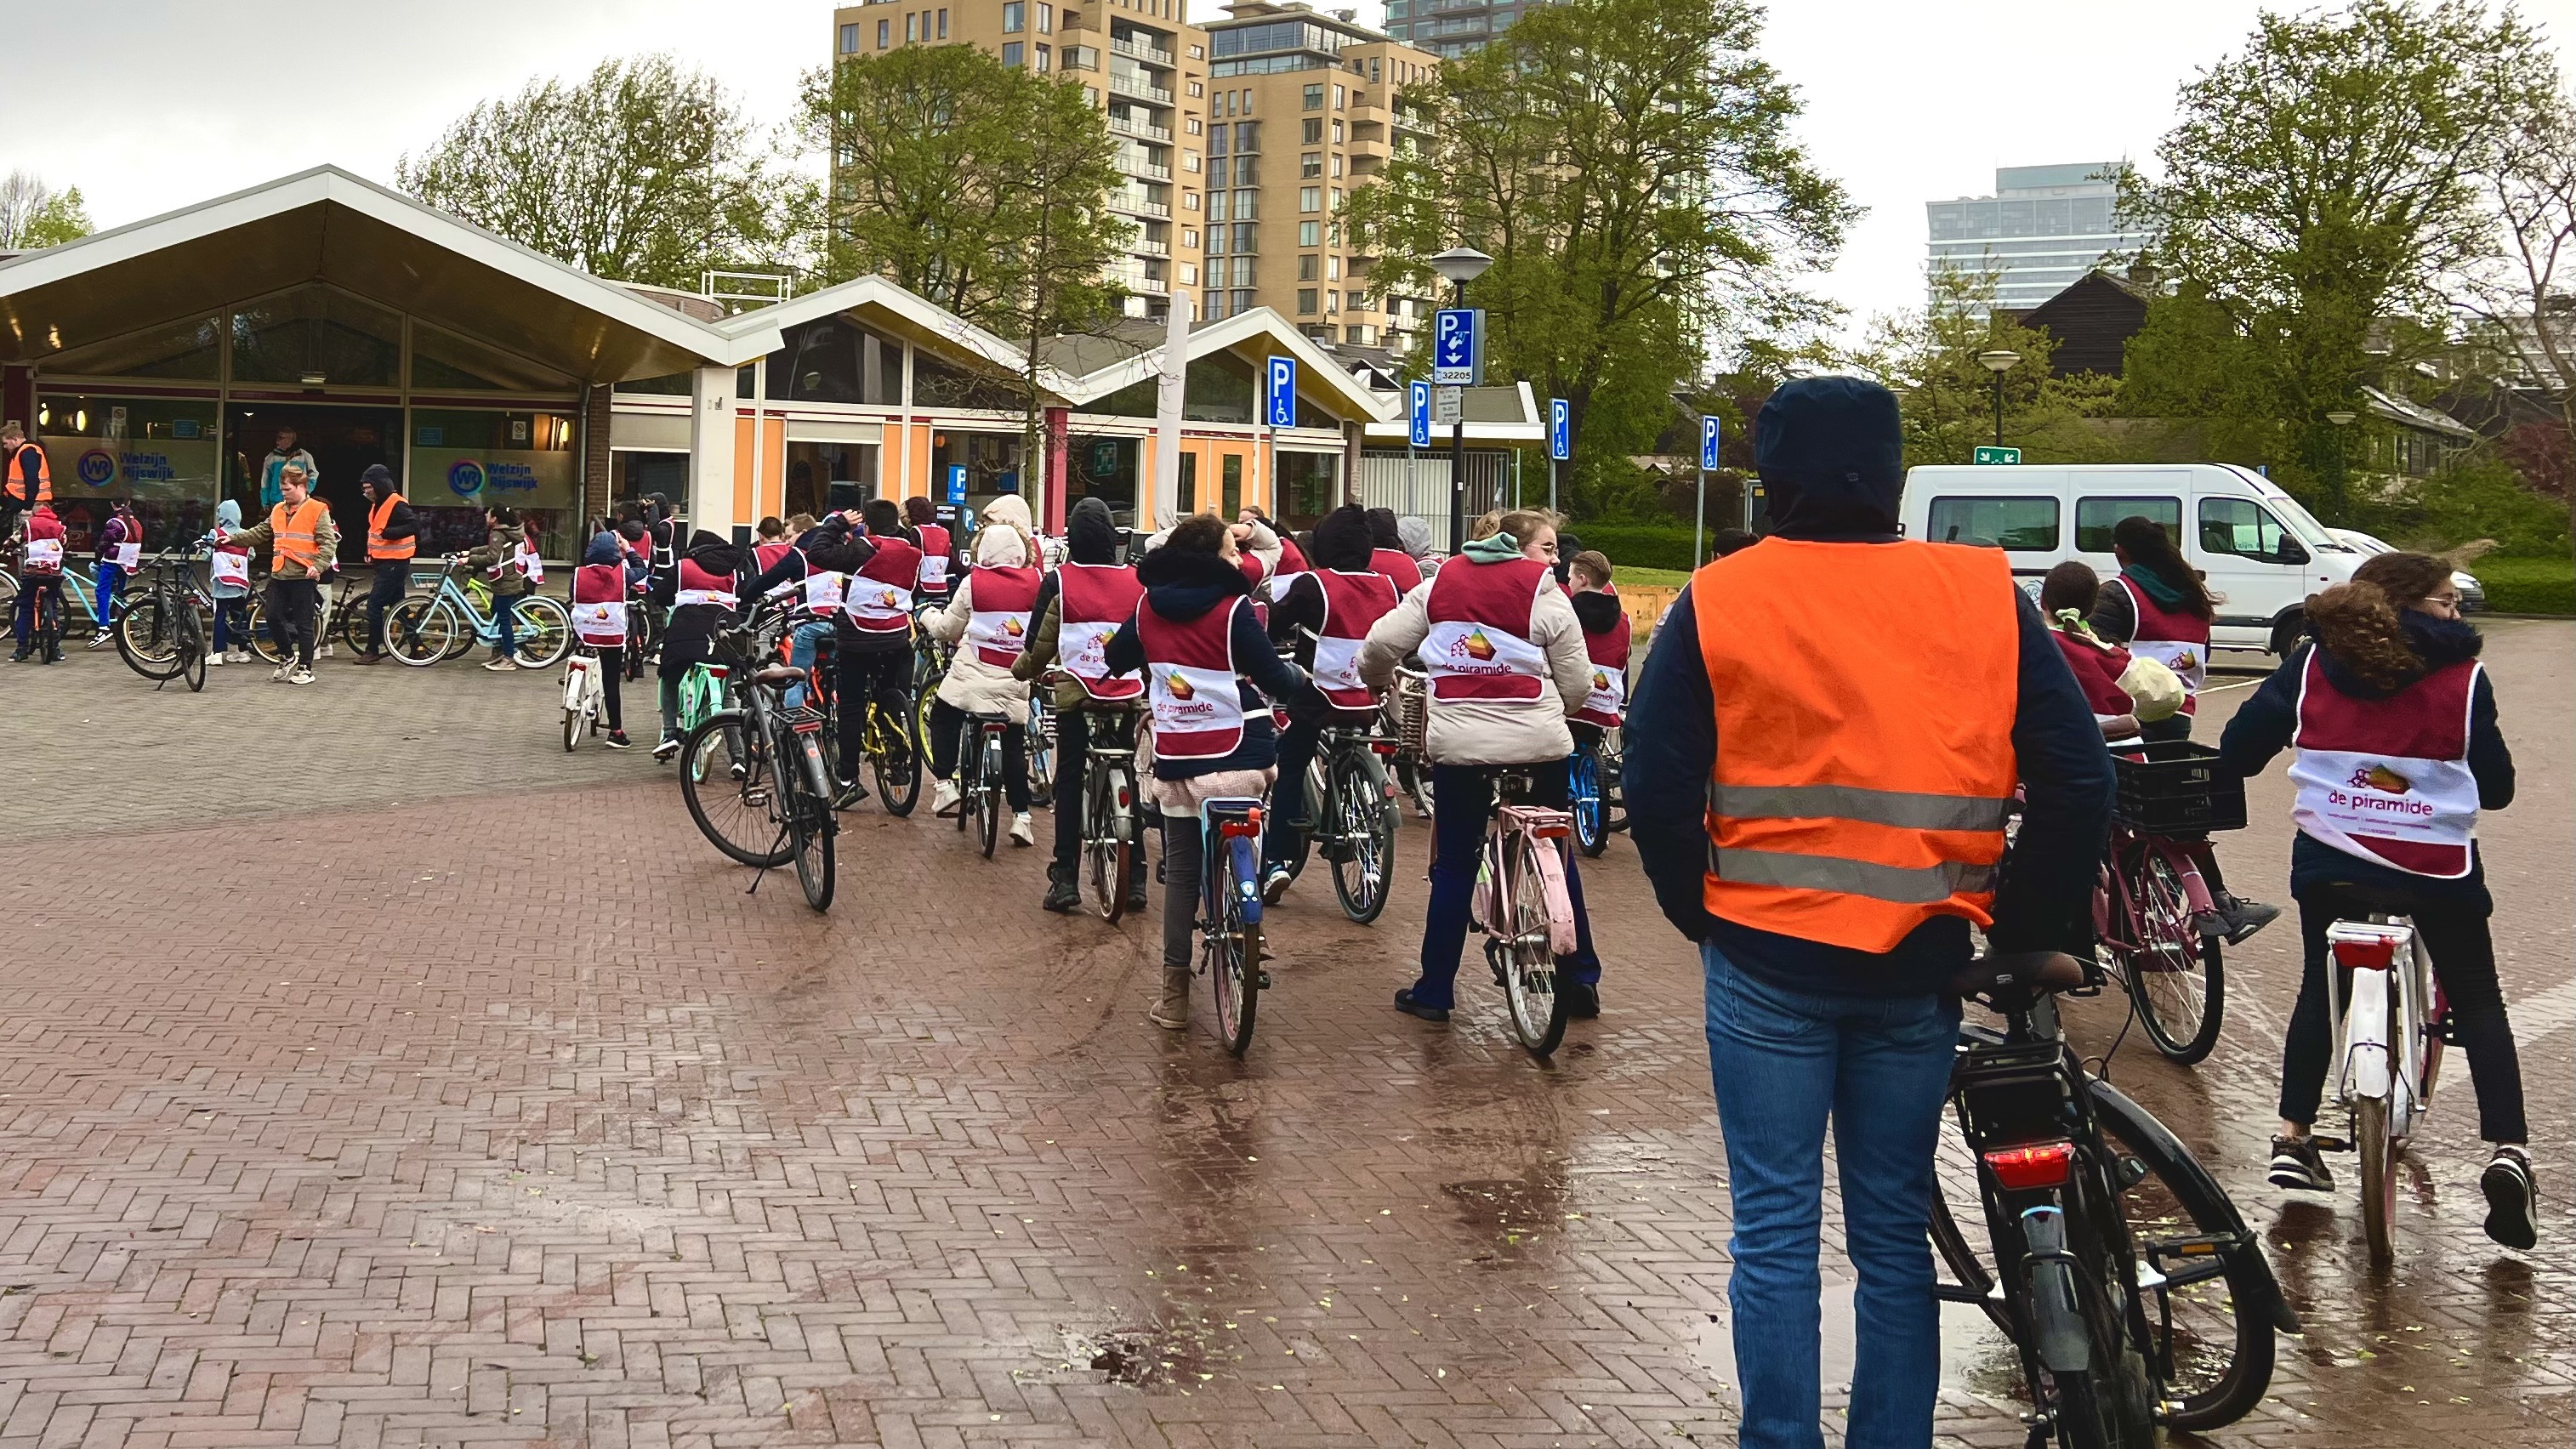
x=1460, y=265
x=1999, y=361
x=2342, y=419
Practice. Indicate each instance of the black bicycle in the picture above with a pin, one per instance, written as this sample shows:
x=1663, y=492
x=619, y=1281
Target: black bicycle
x=980, y=777
x=161, y=634
x=2127, y=1281
x=1113, y=824
x=1353, y=803
x=1600, y=811
x=754, y=775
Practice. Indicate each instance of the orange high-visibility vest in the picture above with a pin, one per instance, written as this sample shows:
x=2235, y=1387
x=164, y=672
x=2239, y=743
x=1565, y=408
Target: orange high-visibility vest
x=293, y=535
x=1865, y=697
x=379, y=546
x=17, y=483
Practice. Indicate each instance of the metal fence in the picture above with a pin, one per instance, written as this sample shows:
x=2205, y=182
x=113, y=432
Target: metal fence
x=1417, y=484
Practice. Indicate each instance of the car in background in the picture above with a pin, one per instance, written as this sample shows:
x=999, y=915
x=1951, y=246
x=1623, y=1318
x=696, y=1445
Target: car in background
x=2473, y=595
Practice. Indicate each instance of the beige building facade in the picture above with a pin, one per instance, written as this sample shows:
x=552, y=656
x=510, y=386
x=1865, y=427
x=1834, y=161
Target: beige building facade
x=1239, y=138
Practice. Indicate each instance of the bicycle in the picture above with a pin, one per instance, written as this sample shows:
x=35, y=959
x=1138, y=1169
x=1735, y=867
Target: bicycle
x=979, y=758
x=1525, y=908
x=1593, y=785
x=2151, y=898
x=422, y=632
x=1112, y=828
x=774, y=779
x=1353, y=803
x=1041, y=750
x=2391, y=1022
x=893, y=745
x=585, y=697
x=2128, y=1283
x=1229, y=915
x=161, y=635
x=1408, y=706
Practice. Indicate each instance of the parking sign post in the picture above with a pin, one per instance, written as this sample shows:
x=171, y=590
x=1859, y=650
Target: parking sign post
x=1707, y=463
x=1416, y=438
x=1458, y=360
x=1560, y=444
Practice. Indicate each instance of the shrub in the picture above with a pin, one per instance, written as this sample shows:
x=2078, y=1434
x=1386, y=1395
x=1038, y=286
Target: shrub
x=2480, y=498
x=2528, y=585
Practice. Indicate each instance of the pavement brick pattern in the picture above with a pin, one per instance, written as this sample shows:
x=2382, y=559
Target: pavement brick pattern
x=439, y=1088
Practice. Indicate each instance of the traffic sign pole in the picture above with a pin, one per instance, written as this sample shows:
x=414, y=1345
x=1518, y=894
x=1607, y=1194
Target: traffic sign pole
x=1458, y=360
x=1560, y=444
x=1707, y=462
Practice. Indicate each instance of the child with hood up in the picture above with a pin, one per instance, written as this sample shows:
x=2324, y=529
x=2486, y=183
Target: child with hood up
x=228, y=570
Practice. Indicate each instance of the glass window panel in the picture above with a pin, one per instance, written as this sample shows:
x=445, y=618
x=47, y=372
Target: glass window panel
x=185, y=350
x=2241, y=527
x=2096, y=517
x=463, y=460
x=940, y=384
x=2012, y=523
x=317, y=332
x=444, y=361
x=835, y=360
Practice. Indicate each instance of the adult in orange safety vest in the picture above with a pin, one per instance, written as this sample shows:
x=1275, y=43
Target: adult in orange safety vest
x=1820, y=750
x=393, y=537
x=303, y=542
x=29, y=478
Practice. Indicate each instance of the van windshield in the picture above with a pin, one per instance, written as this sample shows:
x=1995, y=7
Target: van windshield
x=2305, y=528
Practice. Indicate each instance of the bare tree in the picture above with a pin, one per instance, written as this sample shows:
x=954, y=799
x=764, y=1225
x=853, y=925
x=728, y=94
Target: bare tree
x=2523, y=299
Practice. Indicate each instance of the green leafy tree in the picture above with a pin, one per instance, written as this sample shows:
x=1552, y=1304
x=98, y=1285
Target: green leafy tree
x=2318, y=198
x=1628, y=165
x=643, y=171
x=34, y=215
x=1947, y=397
x=981, y=186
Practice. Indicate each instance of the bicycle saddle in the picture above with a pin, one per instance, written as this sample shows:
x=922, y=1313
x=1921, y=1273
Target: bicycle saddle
x=2030, y=971
x=777, y=674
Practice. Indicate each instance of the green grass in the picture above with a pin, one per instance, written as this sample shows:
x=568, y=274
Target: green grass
x=2527, y=585
x=1667, y=578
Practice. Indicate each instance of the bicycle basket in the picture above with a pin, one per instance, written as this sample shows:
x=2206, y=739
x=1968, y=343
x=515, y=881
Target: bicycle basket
x=2178, y=789
x=1411, y=698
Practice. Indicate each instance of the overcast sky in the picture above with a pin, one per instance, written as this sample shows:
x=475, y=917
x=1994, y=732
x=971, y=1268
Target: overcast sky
x=148, y=105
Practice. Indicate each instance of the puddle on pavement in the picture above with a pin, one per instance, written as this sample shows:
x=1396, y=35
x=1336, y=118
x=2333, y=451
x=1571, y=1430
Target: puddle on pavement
x=1140, y=1357
x=1975, y=1355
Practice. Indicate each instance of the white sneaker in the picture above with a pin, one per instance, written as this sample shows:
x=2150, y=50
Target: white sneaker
x=99, y=640
x=215, y=661
x=241, y=656
x=500, y=666
x=322, y=653
x=944, y=798
x=1023, y=833
x=667, y=749
x=278, y=675
x=300, y=676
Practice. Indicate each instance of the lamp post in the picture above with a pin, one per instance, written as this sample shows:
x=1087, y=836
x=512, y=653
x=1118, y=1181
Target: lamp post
x=2342, y=420
x=1461, y=265
x=1999, y=361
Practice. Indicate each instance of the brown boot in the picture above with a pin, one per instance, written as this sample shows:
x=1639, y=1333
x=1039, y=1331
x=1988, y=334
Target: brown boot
x=369, y=657
x=1172, y=1013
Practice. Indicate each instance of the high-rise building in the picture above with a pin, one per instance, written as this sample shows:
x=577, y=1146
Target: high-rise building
x=1449, y=28
x=1239, y=139
x=2044, y=227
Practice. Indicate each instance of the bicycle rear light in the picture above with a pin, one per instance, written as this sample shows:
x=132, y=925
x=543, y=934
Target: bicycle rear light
x=1387, y=748
x=2374, y=951
x=2032, y=1165
x=808, y=726
x=1237, y=827
x=1552, y=830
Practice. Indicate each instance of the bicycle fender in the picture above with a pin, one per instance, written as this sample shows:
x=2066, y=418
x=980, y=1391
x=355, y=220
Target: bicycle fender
x=2365, y=1016
x=2139, y=1126
x=2057, y=1324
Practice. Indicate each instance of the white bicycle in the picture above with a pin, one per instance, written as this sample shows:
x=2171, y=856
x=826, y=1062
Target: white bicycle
x=585, y=697
x=2389, y=1030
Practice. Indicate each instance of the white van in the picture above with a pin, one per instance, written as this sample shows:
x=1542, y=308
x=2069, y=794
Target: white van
x=2259, y=552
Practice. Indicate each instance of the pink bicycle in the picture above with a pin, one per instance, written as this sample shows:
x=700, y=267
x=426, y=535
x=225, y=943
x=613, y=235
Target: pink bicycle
x=2151, y=902
x=1523, y=907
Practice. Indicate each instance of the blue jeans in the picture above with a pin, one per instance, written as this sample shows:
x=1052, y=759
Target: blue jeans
x=505, y=616
x=1466, y=797
x=800, y=652
x=111, y=583
x=1786, y=1062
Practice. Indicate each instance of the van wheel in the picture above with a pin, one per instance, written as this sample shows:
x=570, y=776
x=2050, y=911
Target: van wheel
x=2287, y=631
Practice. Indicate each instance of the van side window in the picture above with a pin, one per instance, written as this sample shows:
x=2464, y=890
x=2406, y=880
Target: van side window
x=2014, y=523
x=2096, y=517
x=2242, y=527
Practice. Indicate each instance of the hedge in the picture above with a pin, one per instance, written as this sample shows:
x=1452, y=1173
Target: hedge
x=2528, y=585
x=1638, y=545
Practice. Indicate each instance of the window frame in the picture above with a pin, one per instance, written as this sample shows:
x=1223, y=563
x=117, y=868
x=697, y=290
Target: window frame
x=2127, y=503
x=2263, y=516
x=1932, y=521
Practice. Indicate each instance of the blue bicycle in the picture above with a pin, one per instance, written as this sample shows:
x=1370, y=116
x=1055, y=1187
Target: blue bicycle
x=421, y=632
x=1229, y=921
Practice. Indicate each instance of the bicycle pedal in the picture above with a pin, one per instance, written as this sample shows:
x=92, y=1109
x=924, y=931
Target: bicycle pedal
x=2131, y=1172
x=1265, y=980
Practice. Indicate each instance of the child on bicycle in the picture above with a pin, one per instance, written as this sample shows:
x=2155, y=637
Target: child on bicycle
x=1607, y=639
x=228, y=572
x=987, y=622
x=2394, y=725
x=1207, y=665
x=40, y=571
x=120, y=555
x=599, y=595
x=1321, y=615
x=507, y=554
x=702, y=594
x=1079, y=606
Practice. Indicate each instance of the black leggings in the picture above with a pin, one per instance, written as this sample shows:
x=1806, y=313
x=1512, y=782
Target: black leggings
x=2455, y=932
x=883, y=674
x=946, y=719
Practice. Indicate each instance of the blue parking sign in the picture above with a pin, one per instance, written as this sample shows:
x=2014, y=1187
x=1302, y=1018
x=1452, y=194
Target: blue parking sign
x=1458, y=347
x=1708, y=443
x=1283, y=392
x=1421, y=414
x=956, y=482
x=1560, y=429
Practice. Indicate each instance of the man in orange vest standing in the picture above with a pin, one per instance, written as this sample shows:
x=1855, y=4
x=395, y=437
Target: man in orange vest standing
x=393, y=536
x=29, y=478
x=1822, y=746
x=303, y=542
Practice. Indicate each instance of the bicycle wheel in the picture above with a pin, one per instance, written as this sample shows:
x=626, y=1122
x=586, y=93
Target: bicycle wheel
x=2378, y=1149
x=2111, y=1404
x=147, y=638
x=732, y=810
x=49, y=627
x=419, y=631
x=192, y=651
x=264, y=640
x=1526, y=960
x=1591, y=812
x=544, y=632
x=1041, y=753
x=1230, y=940
x=352, y=619
x=988, y=795
x=808, y=815
x=1363, y=819
x=898, y=761
x=572, y=730
x=2176, y=977
x=1108, y=836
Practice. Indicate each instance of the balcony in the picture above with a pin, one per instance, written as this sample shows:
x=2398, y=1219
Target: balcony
x=1081, y=57
x=1141, y=130
x=1137, y=203
x=1148, y=247
x=1144, y=51
x=1145, y=170
x=1138, y=87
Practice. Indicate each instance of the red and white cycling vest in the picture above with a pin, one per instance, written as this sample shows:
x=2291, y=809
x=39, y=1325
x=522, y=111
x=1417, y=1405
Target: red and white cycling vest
x=229, y=565
x=765, y=556
x=1352, y=604
x=128, y=552
x=2388, y=780
x=1191, y=683
x=1094, y=599
x=2173, y=639
x=935, y=552
x=599, y=605
x=1292, y=559
x=2097, y=669
x=1607, y=704
x=1399, y=568
x=1479, y=645
x=998, y=626
x=44, y=544
x=702, y=586
x=879, y=599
